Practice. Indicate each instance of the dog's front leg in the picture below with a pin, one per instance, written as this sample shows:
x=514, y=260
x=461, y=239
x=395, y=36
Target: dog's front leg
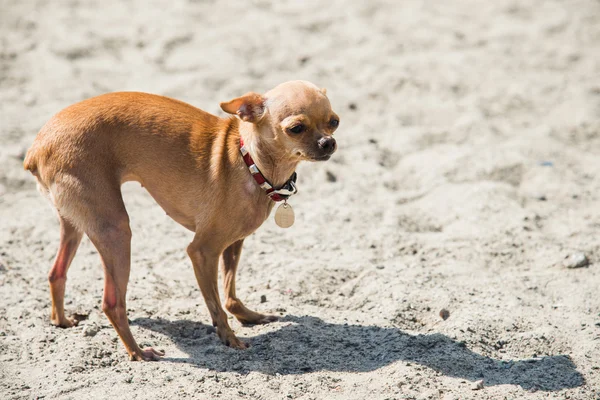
x=229, y=261
x=206, y=268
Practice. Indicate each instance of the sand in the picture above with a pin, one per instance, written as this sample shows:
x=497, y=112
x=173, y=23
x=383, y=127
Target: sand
x=467, y=171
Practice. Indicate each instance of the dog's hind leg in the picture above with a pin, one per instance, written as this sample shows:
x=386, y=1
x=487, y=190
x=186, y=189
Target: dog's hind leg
x=70, y=237
x=111, y=235
x=100, y=213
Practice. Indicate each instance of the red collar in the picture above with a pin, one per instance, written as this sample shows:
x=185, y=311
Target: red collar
x=288, y=189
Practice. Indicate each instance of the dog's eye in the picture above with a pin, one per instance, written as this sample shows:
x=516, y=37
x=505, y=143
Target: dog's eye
x=296, y=129
x=334, y=122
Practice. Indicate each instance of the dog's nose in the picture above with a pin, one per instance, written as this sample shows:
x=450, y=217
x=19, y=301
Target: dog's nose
x=327, y=144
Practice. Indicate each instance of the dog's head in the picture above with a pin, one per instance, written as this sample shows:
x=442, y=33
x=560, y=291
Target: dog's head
x=296, y=116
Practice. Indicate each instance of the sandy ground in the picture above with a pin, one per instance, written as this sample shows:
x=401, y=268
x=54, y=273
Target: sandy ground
x=467, y=171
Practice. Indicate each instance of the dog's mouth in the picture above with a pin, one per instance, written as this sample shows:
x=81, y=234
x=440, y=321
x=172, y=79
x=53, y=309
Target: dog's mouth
x=323, y=157
x=313, y=157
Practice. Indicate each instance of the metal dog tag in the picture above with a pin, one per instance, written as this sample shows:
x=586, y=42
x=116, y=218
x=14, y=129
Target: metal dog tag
x=284, y=216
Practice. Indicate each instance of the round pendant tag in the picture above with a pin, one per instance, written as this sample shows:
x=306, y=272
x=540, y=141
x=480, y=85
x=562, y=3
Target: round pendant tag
x=284, y=216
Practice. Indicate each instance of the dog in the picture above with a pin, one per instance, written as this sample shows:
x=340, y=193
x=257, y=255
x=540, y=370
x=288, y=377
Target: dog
x=194, y=165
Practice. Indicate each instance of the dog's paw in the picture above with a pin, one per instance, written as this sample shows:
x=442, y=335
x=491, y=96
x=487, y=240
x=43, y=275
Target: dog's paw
x=257, y=319
x=65, y=322
x=230, y=340
x=147, y=354
x=236, y=343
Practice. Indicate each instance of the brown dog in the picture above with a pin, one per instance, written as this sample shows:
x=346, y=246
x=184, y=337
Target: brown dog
x=190, y=162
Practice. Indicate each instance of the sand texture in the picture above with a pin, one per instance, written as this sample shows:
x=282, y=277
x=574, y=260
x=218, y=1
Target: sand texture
x=467, y=171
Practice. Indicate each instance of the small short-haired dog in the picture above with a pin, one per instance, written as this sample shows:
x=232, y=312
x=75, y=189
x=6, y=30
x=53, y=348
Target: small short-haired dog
x=193, y=164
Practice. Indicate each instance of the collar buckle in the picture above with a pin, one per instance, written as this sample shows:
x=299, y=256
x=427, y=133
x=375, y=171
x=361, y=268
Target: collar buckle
x=288, y=189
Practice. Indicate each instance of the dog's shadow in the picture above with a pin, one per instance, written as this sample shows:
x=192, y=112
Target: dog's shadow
x=307, y=344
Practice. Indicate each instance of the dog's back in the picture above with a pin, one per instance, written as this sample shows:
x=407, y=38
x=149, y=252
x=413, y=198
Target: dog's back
x=104, y=123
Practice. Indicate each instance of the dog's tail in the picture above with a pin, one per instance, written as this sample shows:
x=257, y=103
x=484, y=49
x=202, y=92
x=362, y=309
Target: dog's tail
x=31, y=160
x=32, y=164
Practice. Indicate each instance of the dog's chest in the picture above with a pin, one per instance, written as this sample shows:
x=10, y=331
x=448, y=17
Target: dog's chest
x=253, y=217
x=249, y=214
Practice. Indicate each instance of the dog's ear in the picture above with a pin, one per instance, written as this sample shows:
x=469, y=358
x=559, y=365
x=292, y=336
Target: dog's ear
x=250, y=107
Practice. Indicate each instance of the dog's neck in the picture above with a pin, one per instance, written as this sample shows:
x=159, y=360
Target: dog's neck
x=275, y=165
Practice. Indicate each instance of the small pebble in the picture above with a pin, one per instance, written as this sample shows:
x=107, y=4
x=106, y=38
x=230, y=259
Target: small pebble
x=444, y=314
x=352, y=106
x=263, y=298
x=331, y=177
x=90, y=330
x=477, y=385
x=576, y=260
